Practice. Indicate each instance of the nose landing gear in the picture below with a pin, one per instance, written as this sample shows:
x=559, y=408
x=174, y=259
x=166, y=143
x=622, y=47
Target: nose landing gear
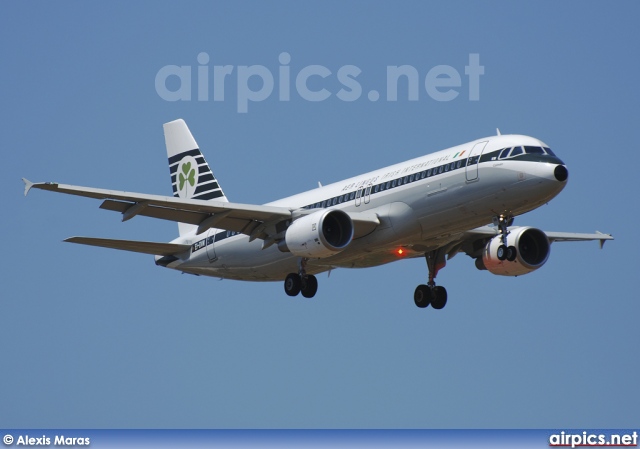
x=505, y=252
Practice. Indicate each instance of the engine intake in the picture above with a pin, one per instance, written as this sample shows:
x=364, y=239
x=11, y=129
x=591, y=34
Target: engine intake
x=532, y=246
x=320, y=234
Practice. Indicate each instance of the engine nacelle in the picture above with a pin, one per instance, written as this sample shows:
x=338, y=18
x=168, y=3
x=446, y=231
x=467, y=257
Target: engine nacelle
x=320, y=234
x=532, y=246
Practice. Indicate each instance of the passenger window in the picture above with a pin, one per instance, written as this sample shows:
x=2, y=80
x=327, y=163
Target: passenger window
x=334, y=201
x=458, y=164
x=352, y=195
x=440, y=169
x=411, y=178
x=446, y=167
x=428, y=172
x=393, y=183
x=376, y=188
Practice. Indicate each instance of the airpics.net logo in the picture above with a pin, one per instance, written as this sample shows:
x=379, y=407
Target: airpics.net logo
x=313, y=83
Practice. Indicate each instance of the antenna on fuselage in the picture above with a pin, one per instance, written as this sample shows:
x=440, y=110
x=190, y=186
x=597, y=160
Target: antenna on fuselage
x=498, y=132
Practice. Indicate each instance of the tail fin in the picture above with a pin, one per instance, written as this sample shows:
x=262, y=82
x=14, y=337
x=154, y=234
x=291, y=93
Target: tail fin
x=191, y=176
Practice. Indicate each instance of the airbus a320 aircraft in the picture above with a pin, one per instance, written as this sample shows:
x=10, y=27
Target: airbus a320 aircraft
x=434, y=206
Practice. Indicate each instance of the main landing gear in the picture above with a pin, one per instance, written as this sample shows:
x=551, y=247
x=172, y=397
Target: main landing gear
x=301, y=282
x=505, y=252
x=432, y=294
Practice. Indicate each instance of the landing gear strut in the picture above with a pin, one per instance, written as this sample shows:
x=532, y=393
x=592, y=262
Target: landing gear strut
x=301, y=282
x=431, y=293
x=505, y=252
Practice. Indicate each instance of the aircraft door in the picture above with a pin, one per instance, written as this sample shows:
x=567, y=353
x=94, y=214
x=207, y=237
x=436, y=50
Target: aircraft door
x=359, y=197
x=367, y=194
x=211, y=251
x=473, y=160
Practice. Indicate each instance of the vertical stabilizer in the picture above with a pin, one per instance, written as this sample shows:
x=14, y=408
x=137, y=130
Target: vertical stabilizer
x=191, y=177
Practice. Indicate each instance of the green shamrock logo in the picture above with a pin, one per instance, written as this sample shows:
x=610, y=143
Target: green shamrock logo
x=188, y=175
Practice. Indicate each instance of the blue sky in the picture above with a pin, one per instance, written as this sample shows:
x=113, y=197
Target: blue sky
x=105, y=339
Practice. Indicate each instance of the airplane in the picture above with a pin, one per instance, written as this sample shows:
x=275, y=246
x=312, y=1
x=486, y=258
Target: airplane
x=434, y=206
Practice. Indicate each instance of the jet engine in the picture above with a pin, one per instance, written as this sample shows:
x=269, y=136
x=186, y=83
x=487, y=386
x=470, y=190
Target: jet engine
x=320, y=234
x=531, y=246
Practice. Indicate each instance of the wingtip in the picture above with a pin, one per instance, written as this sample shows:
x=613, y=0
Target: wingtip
x=604, y=239
x=27, y=185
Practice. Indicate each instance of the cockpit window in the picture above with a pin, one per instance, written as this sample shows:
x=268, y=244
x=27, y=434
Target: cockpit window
x=504, y=153
x=548, y=150
x=534, y=150
x=516, y=151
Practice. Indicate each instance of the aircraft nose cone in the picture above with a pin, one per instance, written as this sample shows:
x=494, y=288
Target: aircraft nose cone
x=561, y=173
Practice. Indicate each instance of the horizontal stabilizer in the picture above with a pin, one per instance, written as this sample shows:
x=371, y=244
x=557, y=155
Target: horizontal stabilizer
x=160, y=249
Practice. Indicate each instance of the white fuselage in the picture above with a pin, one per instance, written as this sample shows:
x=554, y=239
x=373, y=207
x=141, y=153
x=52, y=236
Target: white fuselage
x=419, y=209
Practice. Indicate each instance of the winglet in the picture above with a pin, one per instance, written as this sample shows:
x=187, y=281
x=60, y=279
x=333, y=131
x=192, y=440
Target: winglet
x=27, y=185
x=603, y=240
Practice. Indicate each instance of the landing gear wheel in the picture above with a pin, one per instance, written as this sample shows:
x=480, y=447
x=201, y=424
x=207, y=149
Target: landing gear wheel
x=309, y=286
x=502, y=252
x=439, y=299
x=430, y=293
x=292, y=284
x=422, y=296
x=512, y=253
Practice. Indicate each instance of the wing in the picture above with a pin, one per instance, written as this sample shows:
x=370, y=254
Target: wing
x=488, y=231
x=576, y=237
x=263, y=222
x=472, y=242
